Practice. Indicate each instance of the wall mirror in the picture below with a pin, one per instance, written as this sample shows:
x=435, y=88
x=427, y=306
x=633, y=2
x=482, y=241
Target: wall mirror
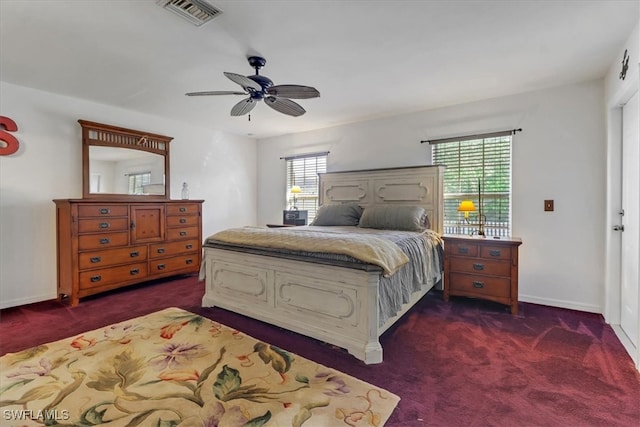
x=124, y=163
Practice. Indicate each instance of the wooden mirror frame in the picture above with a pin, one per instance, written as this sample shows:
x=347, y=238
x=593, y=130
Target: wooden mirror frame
x=97, y=134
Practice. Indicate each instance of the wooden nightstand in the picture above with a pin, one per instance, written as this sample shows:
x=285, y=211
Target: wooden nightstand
x=484, y=268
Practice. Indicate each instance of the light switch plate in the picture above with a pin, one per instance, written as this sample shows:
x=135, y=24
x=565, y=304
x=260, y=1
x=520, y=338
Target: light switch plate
x=548, y=205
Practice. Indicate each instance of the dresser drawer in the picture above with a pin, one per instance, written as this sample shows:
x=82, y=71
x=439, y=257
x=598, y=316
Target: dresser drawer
x=97, y=259
x=102, y=224
x=177, y=263
x=183, y=209
x=160, y=250
x=182, y=220
x=102, y=210
x=468, y=284
x=182, y=233
x=462, y=249
x=495, y=252
x=107, y=276
x=102, y=241
x=480, y=266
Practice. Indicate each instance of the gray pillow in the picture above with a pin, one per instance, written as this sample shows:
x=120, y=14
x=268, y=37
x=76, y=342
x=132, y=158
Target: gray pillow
x=347, y=214
x=406, y=218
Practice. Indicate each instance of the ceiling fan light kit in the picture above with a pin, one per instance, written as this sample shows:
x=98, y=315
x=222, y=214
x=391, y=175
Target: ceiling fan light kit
x=259, y=88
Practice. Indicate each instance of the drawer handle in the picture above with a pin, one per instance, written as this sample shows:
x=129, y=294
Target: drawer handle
x=95, y=259
x=183, y=209
x=463, y=250
x=183, y=220
x=134, y=254
x=160, y=250
x=494, y=252
x=478, y=285
x=105, y=241
x=104, y=225
x=189, y=261
x=478, y=267
x=161, y=266
x=95, y=279
x=188, y=246
x=104, y=211
x=134, y=271
x=183, y=233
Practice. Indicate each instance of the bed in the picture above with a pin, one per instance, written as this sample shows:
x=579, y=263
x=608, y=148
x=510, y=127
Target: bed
x=339, y=299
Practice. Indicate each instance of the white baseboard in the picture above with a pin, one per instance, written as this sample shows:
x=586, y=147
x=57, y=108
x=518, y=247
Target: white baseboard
x=571, y=305
x=29, y=300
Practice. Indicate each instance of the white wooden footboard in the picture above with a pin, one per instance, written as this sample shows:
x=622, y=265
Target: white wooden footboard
x=336, y=305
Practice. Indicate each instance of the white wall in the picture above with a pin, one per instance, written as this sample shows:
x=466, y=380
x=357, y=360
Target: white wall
x=559, y=155
x=219, y=168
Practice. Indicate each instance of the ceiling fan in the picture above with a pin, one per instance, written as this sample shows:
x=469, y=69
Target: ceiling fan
x=261, y=88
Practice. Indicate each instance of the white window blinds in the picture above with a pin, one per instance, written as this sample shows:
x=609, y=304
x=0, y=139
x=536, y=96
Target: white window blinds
x=302, y=171
x=137, y=181
x=485, y=163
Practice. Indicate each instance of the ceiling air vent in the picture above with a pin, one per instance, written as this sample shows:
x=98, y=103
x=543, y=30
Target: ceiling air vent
x=195, y=11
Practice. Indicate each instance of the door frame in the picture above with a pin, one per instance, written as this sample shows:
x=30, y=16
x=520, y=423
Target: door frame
x=613, y=241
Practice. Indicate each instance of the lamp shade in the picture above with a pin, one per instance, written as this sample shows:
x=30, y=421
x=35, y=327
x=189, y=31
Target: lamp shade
x=466, y=206
x=296, y=189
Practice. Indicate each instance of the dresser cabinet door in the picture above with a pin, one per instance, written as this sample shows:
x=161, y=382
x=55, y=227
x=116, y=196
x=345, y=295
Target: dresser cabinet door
x=147, y=223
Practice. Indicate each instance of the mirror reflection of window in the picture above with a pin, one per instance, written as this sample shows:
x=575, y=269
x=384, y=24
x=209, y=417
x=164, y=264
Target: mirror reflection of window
x=137, y=181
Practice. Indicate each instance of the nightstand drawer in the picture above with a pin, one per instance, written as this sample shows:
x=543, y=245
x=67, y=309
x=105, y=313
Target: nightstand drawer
x=480, y=266
x=496, y=252
x=468, y=284
x=462, y=249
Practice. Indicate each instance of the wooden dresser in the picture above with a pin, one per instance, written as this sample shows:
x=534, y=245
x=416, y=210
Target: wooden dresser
x=484, y=268
x=105, y=245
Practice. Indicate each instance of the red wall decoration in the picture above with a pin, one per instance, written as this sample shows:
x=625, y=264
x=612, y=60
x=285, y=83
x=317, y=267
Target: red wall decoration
x=8, y=143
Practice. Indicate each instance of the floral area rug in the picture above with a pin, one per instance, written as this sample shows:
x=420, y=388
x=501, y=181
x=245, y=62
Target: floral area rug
x=174, y=368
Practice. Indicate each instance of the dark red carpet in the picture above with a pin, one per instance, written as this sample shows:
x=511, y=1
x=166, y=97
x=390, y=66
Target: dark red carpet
x=462, y=363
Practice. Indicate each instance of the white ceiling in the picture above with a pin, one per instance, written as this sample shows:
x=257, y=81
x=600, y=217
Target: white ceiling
x=368, y=59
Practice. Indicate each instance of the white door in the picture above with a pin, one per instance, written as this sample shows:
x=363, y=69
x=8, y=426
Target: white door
x=630, y=253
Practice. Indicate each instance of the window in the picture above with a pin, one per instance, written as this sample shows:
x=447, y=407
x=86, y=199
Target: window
x=302, y=171
x=137, y=180
x=472, y=163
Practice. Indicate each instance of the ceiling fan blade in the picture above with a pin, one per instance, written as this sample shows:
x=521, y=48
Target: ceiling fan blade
x=243, y=81
x=215, y=92
x=294, y=91
x=285, y=106
x=243, y=107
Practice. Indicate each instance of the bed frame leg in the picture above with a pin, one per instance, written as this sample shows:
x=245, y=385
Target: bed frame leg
x=370, y=354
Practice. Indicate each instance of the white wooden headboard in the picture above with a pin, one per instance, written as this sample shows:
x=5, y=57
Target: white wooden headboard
x=416, y=186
